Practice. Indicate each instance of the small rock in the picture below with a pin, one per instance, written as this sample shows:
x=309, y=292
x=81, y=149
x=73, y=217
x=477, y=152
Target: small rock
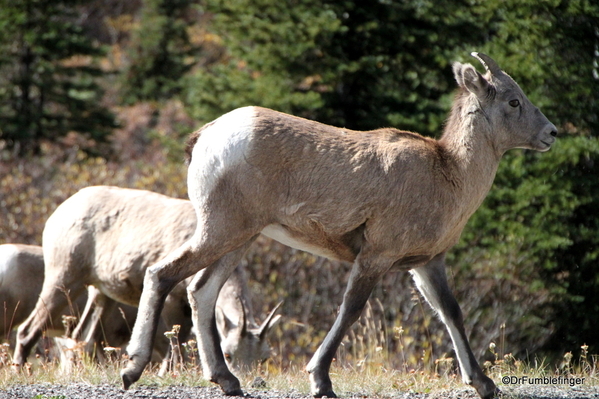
x=259, y=383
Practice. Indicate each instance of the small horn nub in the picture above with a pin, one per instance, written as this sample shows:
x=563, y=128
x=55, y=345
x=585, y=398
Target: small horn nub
x=488, y=63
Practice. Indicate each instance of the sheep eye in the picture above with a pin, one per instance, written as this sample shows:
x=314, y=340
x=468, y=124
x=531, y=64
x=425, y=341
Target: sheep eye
x=514, y=103
x=228, y=356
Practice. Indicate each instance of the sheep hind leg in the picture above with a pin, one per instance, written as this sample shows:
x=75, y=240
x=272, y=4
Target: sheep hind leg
x=51, y=302
x=191, y=257
x=93, y=296
x=203, y=293
x=158, y=282
x=89, y=328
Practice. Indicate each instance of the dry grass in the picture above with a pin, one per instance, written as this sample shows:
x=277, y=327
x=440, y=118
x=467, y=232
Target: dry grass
x=364, y=366
x=371, y=376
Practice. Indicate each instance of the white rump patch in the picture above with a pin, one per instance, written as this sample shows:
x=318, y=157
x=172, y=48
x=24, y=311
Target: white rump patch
x=223, y=144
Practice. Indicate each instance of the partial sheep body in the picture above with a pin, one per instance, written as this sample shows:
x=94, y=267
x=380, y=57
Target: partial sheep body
x=21, y=280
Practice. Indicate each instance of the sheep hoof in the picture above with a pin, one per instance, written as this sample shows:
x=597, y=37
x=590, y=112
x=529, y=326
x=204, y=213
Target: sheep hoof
x=129, y=377
x=328, y=394
x=235, y=392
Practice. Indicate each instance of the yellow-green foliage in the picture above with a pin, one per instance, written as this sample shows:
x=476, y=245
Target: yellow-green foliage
x=33, y=188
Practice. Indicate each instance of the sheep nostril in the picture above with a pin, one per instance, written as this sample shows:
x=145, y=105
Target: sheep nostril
x=553, y=133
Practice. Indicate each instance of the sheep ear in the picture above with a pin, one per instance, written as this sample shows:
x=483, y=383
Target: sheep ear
x=473, y=81
x=223, y=323
x=457, y=73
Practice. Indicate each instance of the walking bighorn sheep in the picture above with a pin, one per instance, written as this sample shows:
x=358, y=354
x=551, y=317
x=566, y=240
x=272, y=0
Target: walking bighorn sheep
x=382, y=199
x=106, y=237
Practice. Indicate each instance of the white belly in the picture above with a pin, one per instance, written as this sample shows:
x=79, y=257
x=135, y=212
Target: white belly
x=278, y=233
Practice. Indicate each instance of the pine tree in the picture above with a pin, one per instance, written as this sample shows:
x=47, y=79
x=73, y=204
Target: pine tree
x=272, y=57
x=161, y=52
x=552, y=47
x=358, y=65
x=47, y=77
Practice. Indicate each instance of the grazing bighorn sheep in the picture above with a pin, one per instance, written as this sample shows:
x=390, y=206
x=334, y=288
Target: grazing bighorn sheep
x=242, y=341
x=382, y=199
x=21, y=281
x=107, y=237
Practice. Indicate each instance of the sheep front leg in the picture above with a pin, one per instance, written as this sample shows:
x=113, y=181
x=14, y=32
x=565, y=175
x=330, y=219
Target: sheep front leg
x=431, y=281
x=364, y=276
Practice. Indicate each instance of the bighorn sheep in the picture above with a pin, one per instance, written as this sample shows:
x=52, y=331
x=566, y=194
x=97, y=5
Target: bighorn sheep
x=106, y=237
x=382, y=199
x=242, y=341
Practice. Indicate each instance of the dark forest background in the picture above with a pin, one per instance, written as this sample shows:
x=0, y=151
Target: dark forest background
x=106, y=92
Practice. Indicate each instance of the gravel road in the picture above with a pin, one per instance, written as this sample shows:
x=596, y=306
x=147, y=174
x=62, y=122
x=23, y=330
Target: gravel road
x=84, y=391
